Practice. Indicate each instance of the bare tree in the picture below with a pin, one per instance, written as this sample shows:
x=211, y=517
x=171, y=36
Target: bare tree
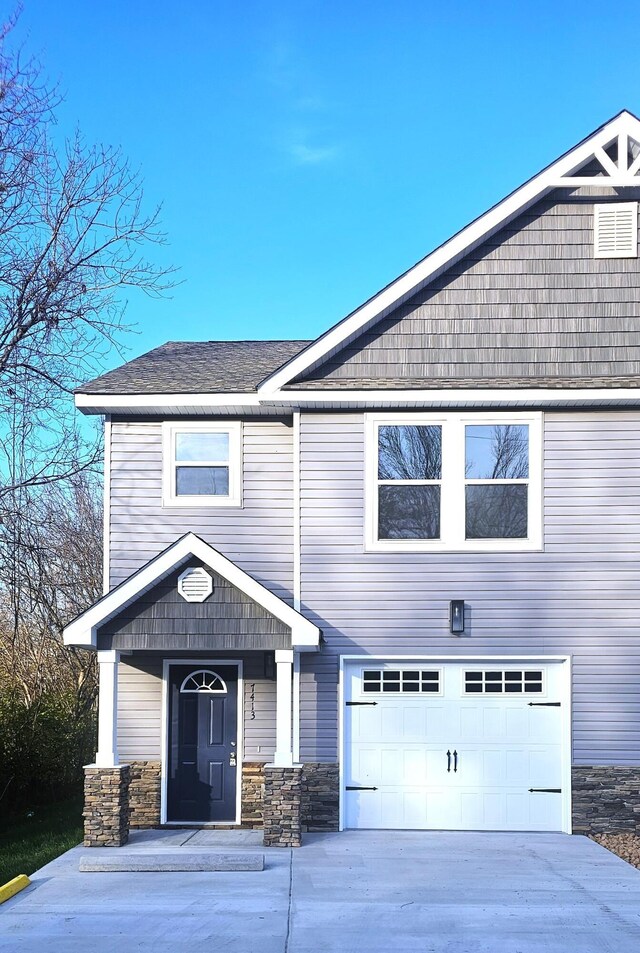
x=73, y=233
x=53, y=573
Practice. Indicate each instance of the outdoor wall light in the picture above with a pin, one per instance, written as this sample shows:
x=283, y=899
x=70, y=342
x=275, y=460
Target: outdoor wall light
x=456, y=616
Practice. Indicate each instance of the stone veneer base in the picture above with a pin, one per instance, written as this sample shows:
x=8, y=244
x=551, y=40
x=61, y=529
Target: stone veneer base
x=106, y=806
x=320, y=807
x=144, y=794
x=606, y=800
x=281, y=808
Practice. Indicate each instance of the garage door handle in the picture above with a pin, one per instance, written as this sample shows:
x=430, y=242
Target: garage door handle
x=448, y=761
x=455, y=760
x=545, y=790
x=544, y=704
x=353, y=787
x=361, y=703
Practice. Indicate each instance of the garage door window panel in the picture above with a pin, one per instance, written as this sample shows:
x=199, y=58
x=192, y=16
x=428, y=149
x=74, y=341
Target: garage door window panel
x=498, y=682
x=401, y=681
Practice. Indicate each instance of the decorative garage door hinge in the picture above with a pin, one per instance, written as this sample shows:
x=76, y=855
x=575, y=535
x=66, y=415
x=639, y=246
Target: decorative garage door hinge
x=545, y=790
x=353, y=787
x=362, y=703
x=544, y=704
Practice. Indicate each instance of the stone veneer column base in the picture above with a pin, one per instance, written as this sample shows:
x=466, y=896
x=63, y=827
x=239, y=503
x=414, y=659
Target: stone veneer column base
x=252, y=794
x=106, y=806
x=320, y=796
x=281, y=809
x=144, y=794
x=606, y=800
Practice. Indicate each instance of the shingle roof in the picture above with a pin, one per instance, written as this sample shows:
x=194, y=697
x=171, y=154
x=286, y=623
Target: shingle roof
x=193, y=367
x=461, y=383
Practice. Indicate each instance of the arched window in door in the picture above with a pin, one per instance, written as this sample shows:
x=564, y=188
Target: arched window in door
x=204, y=680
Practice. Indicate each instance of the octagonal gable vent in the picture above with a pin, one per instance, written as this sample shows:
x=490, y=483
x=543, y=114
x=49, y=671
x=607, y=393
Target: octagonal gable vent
x=195, y=584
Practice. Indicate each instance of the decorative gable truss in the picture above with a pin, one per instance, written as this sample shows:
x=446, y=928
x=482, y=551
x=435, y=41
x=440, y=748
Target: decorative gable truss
x=608, y=158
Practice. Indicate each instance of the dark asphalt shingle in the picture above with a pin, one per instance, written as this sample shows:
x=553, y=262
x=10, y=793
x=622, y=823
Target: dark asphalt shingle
x=194, y=367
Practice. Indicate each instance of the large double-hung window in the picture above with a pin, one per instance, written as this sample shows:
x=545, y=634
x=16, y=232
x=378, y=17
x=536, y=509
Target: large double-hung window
x=454, y=482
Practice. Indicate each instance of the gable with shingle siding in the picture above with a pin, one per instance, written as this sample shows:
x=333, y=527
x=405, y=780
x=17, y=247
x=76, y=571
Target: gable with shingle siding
x=531, y=305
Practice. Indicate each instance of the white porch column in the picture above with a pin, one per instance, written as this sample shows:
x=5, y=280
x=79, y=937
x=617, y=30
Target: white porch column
x=107, y=753
x=283, y=757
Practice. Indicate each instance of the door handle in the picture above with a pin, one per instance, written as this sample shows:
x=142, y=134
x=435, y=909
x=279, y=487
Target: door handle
x=232, y=760
x=455, y=760
x=448, y=761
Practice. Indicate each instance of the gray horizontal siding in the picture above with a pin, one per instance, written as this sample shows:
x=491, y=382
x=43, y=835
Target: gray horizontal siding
x=513, y=308
x=580, y=596
x=257, y=536
x=140, y=709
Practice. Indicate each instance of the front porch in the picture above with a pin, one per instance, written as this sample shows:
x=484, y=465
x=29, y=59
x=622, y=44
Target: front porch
x=198, y=702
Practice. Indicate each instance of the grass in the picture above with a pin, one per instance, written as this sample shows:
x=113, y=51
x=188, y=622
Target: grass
x=32, y=837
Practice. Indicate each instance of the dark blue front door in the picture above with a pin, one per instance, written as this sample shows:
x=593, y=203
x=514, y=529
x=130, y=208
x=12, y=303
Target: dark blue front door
x=203, y=730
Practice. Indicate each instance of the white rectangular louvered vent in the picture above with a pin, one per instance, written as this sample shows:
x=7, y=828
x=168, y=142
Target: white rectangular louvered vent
x=616, y=230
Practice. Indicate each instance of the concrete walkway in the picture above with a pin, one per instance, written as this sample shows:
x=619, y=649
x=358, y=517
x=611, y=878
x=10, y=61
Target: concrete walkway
x=356, y=892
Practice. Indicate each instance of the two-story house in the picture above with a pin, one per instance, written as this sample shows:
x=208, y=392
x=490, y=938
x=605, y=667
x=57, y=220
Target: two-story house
x=389, y=578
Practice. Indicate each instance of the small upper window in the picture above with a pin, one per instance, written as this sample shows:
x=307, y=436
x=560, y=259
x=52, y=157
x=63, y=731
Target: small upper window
x=615, y=230
x=202, y=464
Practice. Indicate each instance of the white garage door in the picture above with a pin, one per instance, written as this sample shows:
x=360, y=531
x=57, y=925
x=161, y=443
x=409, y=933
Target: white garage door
x=454, y=746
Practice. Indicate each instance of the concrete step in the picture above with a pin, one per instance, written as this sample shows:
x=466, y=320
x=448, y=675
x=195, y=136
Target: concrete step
x=169, y=861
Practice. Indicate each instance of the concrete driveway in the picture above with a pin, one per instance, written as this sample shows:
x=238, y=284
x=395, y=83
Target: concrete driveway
x=356, y=892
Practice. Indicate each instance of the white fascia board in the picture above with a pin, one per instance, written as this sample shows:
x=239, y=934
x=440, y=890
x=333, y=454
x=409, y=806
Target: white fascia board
x=83, y=630
x=540, y=396
x=110, y=403
x=444, y=256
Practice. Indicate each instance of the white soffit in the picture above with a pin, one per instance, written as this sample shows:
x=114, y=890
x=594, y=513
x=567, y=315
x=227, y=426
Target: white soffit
x=623, y=129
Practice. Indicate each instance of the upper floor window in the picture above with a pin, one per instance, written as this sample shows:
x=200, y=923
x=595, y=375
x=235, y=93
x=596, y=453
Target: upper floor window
x=454, y=482
x=202, y=464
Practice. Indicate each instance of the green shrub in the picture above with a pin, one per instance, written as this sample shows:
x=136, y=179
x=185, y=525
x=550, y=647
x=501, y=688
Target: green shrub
x=43, y=746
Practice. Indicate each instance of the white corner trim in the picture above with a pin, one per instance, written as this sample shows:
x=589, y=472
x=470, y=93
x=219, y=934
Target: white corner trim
x=83, y=630
x=106, y=506
x=477, y=231
x=297, y=581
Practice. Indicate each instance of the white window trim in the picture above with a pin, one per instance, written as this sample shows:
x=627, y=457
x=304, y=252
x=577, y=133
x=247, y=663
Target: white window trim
x=452, y=498
x=169, y=431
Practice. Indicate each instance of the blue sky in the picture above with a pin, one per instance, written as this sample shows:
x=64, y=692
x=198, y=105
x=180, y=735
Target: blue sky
x=306, y=153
